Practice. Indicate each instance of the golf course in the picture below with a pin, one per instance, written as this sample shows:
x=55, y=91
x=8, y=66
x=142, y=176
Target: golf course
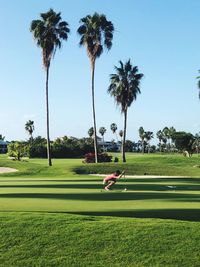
x=61, y=216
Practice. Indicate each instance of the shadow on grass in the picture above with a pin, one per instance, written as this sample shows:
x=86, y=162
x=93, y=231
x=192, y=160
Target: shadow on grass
x=118, y=186
x=176, y=214
x=108, y=196
x=51, y=181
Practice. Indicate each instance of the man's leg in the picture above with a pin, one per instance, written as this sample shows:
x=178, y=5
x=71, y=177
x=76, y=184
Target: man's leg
x=110, y=184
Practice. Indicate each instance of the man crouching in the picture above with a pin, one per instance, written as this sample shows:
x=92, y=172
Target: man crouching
x=111, y=179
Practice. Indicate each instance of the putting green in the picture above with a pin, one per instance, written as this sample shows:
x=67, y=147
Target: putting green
x=176, y=198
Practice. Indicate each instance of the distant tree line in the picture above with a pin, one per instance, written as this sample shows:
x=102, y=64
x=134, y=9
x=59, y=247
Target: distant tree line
x=65, y=147
x=169, y=141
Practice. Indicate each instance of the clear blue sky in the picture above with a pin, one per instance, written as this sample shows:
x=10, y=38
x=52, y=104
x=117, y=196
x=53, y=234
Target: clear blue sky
x=161, y=37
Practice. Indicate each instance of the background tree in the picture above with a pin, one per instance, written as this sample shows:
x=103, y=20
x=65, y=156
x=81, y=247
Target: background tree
x=171, y=132
x=160, y=136
x=129, y=146
x=96, y=33
x=102, y=131
x=148, y=137
x=184, y=141
x=2, y=137
x=17, y=150
x=29, y=127
x=49, y=31
x=196, y=143
x=91, y=132
x=121, y=133
x=124, y=87
x=113, y=128
x=142, y=137
x=166, y=133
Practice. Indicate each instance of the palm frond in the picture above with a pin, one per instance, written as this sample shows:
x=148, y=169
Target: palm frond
x=49, y=33
x=96, y=33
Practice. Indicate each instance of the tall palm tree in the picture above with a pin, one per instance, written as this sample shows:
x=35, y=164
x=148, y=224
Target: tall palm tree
x=102, y=131
x=49, y=32
x=96, y=33
x=121, y=133
x=29, y=127
x=113, y=128
x=124, y=87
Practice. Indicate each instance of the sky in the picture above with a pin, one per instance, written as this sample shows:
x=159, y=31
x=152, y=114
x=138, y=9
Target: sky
x=161, y=37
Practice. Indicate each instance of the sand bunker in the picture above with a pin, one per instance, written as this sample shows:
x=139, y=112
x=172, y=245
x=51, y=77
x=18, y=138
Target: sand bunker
x=6, y=170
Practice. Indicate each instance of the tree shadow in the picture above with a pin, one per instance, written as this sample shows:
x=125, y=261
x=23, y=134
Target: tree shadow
x=129, y=186
x=176, y=214
x=108, y=196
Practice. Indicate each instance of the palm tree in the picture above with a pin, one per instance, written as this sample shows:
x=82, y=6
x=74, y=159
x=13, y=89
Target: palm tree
x=113, y=128
x=166, y=133
x=148, y=137
x=160, y=137
x=96, y=33
x=91, y=132
x=49, y=31
x=124, y=87
x=2, y=137
x=171, y=132
x=121, y=133
x=142, y=137
x=29, y=127
x=102, y=131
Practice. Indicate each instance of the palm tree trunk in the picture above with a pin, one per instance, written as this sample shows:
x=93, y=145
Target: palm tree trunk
x=116, y=137
x=124, y=136
x=47, y=118
x=93, y=111
x=103, y=144
x=160, y=146
x=143, y=146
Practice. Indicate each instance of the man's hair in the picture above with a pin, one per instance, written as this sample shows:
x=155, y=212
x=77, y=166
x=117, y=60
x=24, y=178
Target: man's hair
x=117, y=172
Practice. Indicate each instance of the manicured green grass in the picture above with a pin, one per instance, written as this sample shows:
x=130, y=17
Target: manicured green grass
x=51, y=216
x=63, y=240
x=152, y=164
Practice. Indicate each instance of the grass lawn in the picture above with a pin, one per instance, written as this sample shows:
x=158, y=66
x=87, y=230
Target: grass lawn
x=52, y=216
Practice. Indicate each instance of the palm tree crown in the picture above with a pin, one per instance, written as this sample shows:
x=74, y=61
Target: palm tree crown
x=96, y=32
x=102, y=130
x=29, y=127
x=49, y=33
x=113, y=127
x=91, y=131
x=124, y=85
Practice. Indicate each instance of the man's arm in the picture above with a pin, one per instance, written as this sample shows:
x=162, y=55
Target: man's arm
x=121, y=175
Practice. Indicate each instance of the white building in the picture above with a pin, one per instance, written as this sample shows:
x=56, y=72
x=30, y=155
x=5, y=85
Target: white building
x=107, y=145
